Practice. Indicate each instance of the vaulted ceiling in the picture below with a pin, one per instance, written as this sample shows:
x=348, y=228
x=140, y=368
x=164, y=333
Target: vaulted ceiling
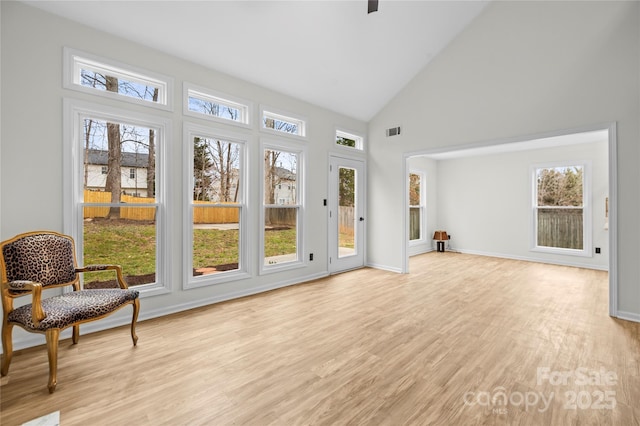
x=329, y=53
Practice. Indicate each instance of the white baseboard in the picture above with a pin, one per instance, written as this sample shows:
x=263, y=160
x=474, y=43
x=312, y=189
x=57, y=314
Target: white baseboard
x=533, y=259
x=384, y=267
x=628, y=316
x=414, y=251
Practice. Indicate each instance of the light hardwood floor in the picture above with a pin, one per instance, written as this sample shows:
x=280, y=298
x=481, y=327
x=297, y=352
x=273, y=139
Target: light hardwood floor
x=364, y=347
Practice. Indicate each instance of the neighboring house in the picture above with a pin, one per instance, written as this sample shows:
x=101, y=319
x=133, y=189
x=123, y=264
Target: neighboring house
x=284, y=192
x=133, y=168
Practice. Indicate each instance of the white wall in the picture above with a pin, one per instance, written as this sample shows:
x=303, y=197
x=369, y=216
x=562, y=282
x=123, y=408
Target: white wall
x=520, y=69
x=497, y=189
x=32, y=175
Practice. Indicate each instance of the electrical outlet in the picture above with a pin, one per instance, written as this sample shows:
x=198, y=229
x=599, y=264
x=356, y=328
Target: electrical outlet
x=311, y=257
x=597, y=250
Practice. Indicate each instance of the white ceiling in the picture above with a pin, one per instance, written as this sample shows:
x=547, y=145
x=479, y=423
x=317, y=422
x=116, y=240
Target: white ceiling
x=329, y=53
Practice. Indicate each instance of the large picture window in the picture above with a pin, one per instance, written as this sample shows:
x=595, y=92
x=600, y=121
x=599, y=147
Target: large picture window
x=561, y=219
x=216, y=192
x=115, y=182
x=283, y=196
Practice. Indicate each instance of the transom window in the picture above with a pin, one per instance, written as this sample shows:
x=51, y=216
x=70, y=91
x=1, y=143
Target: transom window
x=561, y=219
x=205, y=103
x=281, y=123
x=100, y=76
x=349, y=140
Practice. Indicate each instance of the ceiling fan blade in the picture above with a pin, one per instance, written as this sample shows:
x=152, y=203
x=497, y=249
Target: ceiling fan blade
x=373, y=6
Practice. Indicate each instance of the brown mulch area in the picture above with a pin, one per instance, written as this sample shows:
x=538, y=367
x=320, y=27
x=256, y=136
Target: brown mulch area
x=133, y=280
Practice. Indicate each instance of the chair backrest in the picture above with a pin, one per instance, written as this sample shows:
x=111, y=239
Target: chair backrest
x=44, y=257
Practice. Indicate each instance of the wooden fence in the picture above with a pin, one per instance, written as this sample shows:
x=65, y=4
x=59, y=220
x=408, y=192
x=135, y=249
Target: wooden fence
x=560, y=228
x=346, y=217
x=215, y=214
x=275, y=216
x=200, y=214
x=130, y=213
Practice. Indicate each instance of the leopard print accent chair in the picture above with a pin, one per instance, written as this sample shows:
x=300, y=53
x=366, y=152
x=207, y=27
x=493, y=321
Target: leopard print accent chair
x=37, y=260
x=47, y=259
x=70, y=308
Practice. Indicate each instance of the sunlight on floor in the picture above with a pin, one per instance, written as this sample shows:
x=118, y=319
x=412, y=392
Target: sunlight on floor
x=51, y=419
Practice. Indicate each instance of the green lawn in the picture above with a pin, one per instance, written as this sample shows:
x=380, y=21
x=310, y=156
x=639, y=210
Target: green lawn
x=131, y=245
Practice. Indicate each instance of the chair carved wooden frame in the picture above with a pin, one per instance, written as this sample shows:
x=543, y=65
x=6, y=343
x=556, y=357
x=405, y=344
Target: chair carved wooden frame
x=34, y=261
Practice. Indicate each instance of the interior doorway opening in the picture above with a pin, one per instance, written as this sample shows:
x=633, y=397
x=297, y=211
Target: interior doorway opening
x=604, y=206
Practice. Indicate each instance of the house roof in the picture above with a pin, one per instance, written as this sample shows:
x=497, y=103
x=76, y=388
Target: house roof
x=129, y=159
x=285, y=174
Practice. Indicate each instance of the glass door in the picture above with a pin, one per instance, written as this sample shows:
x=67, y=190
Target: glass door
x=346, y=214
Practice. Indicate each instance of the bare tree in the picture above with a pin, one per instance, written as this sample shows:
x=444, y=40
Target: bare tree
x=224, y=157
x=88, y=128
x=271, y=178
x=151, y=164
x=114, y=177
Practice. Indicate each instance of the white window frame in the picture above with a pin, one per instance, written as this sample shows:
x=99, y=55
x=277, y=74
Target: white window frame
x=587, y=228
x=73, y=192
x=422, y=206
x=359, y=148
x=244, y=106
x=301, y=151
x=74, y=60
x=277, y=114
x=190, y=131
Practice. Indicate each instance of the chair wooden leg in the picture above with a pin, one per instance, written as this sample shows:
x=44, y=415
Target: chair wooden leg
x=136, y=309
x=52, y=336
x=76, y=334
x=7, y=347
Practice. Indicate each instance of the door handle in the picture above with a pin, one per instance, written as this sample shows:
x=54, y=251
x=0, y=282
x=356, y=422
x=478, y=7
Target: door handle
x=362, y=219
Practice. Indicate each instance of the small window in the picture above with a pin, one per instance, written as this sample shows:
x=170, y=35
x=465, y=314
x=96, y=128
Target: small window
x=349, y=140
x=283, y=123
x=103, y=77
x=105, y=170
x=205, y=103
x=132, y=173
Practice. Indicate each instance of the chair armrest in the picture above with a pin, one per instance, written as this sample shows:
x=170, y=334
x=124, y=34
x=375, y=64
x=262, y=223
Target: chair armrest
x=96, y=268
x=35, y=289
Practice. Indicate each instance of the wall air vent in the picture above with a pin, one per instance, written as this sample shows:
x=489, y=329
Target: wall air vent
x=394, y=131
